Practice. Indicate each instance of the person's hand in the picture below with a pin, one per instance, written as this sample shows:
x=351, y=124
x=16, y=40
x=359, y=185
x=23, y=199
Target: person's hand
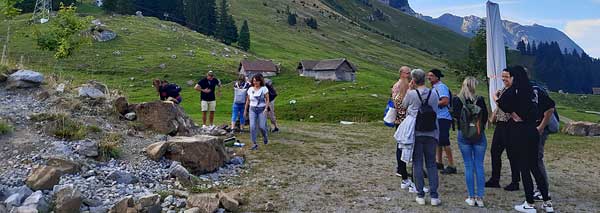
x=246, y=114
x=540, y=129
x=206, y=90
x=266, y=110
x=516, y=117
x=411, y=84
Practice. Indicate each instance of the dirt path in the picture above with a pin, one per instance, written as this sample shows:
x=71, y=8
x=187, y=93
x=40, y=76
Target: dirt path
x=337, y=168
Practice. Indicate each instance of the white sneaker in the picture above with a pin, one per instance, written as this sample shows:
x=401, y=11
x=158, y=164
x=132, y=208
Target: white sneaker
x=436, y=201
x=537, y=196
x=425, y=189
x=405, y=184
x=525, y=207
x=470, y=201
x=412, y=188
x=203, y=126
x=479, y=202
x=420, y=200
x=547, y=206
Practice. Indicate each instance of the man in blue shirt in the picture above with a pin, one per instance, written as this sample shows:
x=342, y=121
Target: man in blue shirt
x=444, y=121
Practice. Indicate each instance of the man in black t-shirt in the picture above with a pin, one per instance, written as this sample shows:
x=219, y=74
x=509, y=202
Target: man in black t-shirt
x=208, y=103
x=545, y=108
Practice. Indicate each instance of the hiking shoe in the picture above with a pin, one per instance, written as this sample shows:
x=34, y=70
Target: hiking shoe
x=512, y=187
x=470, y=201
x=479, y=202
x=525, y=207
x=547, y=206
x=436, y=201
x=275, y=130
x=537, y=196
x=449, y=170
x=405, y=184
x=255, y=147
x=492, y=184
x=420, y=200
x=440, y=166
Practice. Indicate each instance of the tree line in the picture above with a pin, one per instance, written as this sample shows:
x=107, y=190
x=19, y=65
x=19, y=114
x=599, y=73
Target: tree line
x=569, y=71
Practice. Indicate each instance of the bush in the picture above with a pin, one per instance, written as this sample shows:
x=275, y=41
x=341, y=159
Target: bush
x=68, y=129
x=5, y=128
x=110, y=146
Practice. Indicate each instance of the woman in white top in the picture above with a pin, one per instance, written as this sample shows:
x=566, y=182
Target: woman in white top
x=256, y=101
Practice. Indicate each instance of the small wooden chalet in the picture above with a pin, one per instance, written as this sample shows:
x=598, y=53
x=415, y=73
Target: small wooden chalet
x=329, y=69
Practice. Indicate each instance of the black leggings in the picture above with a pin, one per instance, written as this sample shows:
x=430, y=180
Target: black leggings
x=401, y=169
x=501, y=142
x=526, y=138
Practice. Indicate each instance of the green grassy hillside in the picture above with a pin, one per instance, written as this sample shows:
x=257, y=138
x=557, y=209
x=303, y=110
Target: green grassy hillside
x=146, y=43
x=404, y=28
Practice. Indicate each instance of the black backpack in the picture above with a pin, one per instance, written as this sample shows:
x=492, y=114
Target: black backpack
x=426, y=117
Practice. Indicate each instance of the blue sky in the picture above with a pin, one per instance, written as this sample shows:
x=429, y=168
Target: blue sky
x=580, y=19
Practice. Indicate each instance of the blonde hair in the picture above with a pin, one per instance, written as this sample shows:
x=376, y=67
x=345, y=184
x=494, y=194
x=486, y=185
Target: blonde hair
x=468, y=88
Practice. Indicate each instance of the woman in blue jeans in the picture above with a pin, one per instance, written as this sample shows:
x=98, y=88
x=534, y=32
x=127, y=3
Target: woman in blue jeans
x=240, y=90
x=471, y=113
x=256, y=104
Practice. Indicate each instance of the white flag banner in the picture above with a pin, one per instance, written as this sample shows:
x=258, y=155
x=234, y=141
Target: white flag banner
x=496, y=55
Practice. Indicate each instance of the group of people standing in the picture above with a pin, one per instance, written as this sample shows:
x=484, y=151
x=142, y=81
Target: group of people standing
x=426, y=115
x=253, y=102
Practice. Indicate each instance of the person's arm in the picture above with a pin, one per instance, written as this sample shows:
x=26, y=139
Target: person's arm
x=218, y=88
x=444, y=101
x=545, y=120
x=198, y=88
x=267, y=101
x=246, y=107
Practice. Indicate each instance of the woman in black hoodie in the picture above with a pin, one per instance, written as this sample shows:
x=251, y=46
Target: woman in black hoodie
x=518, y=100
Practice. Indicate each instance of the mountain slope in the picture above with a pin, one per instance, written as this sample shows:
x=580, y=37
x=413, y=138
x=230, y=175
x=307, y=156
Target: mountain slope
x=380, y=18
x=513, y=32
x=131, y=61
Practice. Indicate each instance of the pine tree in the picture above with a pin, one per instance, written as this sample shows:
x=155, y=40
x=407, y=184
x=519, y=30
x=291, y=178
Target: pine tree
x=231, y=33
x=521, y=47
x=223, y=22
x=528, y=49
x=311, y=22
x=201, y=15
x=118, y=6
x=291, y=17
x=244, y=40
x=533, y=48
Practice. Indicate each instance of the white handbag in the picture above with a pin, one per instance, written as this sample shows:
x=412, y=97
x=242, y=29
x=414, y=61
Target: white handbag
x=390, y=116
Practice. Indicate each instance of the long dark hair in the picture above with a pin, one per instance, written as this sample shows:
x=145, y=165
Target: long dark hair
x=521, y=81
x=258, y=77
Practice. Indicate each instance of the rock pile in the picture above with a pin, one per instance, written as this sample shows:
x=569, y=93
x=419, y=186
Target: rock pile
x=582, y=129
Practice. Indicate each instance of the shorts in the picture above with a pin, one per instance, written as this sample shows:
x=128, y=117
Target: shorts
x=209, y=106
x=445, y=126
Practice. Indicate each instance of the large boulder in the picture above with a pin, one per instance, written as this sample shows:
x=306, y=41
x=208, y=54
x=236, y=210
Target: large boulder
x=36, y=201
x=156, y=150
x=25, y=79
x=181, y=174
x=199, y=154
x=68, y=199
x=64, y=165
x=90, y=92
x=43, y=178
x=122, y=177
x=87, y=148
x=582, y=129
x=122, y=205
x=148, y=203
x=103, y=35
x=594, y=130
x=229, y=202
x=17, y=196
x=206, y=202
x=165, y=118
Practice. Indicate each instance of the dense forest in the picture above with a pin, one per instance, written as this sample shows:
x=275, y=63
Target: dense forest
x=558, y=69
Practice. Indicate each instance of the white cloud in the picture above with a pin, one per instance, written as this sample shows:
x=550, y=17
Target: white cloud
x=585, y=33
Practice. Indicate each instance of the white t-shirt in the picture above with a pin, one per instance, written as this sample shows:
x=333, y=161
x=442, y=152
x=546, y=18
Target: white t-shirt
x=257, y=97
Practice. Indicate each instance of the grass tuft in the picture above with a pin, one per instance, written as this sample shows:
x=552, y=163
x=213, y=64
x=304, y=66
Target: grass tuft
x=5, y=128
x=110, y=146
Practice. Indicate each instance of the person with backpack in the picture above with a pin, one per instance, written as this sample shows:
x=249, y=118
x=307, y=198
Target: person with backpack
x=501, y=142
x=444, y=119
x=471, y=114
x=168, y=91
x=256, y=105
x=547, y=122
x=240, y=89
x=271, y=107
x=519, y=101
x=422, y=102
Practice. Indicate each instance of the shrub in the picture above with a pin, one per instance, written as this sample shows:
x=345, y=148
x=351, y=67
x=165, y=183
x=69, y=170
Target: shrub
x=68, y=129
x=5, y=128
x=110, y=146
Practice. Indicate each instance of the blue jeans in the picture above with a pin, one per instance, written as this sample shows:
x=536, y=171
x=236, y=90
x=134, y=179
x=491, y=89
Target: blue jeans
x=237, y=111
x=425, y=148
x=258, y=121
x=473, y=156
